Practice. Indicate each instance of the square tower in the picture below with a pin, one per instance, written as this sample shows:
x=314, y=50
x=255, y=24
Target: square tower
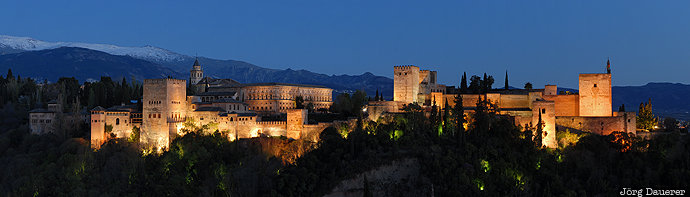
x=547, y=111
x=296, y=119
x=595, y=95
x=164, y=109
x=405, y=83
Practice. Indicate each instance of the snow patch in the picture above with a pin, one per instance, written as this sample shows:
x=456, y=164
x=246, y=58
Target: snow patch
x=146, y=52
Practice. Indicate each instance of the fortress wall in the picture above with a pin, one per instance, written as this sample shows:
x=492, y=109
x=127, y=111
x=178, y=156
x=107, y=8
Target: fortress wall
x=566, y=105
x=494, y=97
x=595, y=94
x=312, y=132
x=597, y=125
x=523, y=120
x=470, y=100
x=376, y=109
x=514, y=101
x=438, y=99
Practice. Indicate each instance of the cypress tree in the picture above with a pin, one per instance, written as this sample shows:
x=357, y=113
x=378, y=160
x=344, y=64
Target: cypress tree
x=9, y=74
x=463, y=83
x=540, y=131
x=506, y=85
x=376, y=98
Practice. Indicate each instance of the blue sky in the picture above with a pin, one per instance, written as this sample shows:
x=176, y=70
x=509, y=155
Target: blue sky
x=543, y=42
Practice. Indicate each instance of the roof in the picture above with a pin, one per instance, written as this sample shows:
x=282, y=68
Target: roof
x=123, y=108
x=41, y=110
x=283, y=84
x=196, y=62
x=98, y=108
x=52, y=101
x=216, y=82
x=217, y=94
x=209, y=109
x=226, y=100
x=243, y=114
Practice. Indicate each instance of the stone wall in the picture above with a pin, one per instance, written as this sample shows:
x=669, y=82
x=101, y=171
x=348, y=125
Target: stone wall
x=566, y=105
x=595, y=95
x=376, y=109
x=599, y=125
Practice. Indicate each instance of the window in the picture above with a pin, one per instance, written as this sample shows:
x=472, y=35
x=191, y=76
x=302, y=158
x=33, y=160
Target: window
x=543, y=111
x=595, y=85
x=117, y=121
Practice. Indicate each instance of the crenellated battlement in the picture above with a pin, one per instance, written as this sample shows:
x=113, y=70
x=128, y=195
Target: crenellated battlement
x=404, y=67
x=164, y=80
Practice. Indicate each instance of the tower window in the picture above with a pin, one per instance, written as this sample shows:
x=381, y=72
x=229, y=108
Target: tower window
x=595, y=85
x=543, y=111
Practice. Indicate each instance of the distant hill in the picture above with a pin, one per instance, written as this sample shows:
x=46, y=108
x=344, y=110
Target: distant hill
x=181, y=64
x=249, y=73
x=668, y=99
x=83, y=64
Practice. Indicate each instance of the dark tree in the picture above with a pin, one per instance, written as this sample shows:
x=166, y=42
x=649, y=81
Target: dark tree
x=528, y=86
x=645, y=118
x=463, y=83
x=475, y=84
x=377, y=98
x=538, y=135
x=299, y=102
x=9, y=74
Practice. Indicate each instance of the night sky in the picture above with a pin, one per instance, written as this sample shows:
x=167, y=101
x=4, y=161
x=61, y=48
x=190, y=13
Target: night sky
x=544, y=42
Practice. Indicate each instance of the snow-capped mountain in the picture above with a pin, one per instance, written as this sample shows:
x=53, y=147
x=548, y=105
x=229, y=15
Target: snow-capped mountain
x=146, y=52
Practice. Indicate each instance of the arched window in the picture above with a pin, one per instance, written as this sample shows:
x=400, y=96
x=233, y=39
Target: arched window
x=117, y=121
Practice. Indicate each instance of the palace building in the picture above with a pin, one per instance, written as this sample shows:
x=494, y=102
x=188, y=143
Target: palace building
x=228, y=105
x=590, y=110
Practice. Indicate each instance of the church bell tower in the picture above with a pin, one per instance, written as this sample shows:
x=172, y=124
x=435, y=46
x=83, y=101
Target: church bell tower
x=196, y=74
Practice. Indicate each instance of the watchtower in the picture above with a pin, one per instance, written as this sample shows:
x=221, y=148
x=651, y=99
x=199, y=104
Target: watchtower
x=164, y=110
x=595, y=94
x=405, y=83
x=97, y=127
x=296, y=119
x=546, y=111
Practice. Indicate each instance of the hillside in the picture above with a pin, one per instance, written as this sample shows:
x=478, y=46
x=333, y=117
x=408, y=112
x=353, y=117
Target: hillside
x=84, y=64
x=668, y=99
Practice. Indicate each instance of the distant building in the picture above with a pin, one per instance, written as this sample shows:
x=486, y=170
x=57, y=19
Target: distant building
x=43, y=121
